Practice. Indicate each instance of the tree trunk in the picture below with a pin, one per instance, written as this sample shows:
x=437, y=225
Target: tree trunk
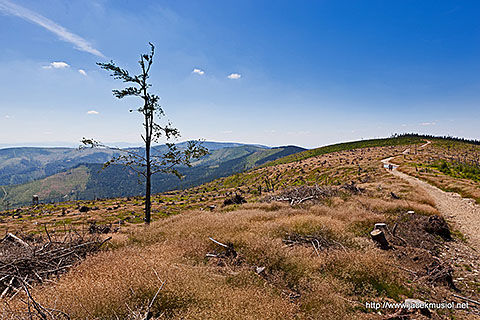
x=148, y=185
x=147, y=196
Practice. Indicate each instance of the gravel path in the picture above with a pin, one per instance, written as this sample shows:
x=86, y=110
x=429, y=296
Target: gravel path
x=462, y=211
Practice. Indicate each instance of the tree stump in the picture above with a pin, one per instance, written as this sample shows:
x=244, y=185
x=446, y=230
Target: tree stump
x=379, y=238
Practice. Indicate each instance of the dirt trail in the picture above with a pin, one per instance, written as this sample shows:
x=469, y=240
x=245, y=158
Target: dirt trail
x=463, y=212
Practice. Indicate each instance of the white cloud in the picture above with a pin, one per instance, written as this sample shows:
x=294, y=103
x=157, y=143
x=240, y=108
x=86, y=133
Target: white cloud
x=234, y=76
x=57, y=65
x=92, y=112
x=82, y=72
x=65, y=35
x=428, y=123
x=7, y=116
x=198, y=71
x=227, y=131
x=299, y=133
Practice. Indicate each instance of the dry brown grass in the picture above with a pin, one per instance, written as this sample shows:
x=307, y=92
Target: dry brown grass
x=296, y=283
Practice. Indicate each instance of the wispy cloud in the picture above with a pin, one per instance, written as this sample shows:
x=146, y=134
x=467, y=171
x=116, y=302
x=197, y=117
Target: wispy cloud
x=428, y=123
x=234, y=76
x=57, y=65
x=198, y=71
x=82, y=72
x=65, y=35
x=92, y=112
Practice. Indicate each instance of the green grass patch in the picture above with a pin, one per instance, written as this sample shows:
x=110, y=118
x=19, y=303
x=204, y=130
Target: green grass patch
x=458, y=169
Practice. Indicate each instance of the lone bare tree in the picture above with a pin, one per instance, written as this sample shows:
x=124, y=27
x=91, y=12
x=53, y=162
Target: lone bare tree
x=142, y=161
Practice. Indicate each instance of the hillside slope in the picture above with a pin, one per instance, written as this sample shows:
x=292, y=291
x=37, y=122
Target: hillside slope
x=24, y=164
x=20, y=165
x=303, y=251
x=119, y=181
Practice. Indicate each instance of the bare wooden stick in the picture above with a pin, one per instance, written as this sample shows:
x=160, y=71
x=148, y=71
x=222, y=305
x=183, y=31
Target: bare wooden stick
x=466, y=299
x=14, y=237
x=13, y=295
x=48, y=235
x=314, y=247
x=304, y=199
x=36, y=305
x=394, y=229
x=149, y=314
x=4, y=293
x=217, y=242
x=341, y=245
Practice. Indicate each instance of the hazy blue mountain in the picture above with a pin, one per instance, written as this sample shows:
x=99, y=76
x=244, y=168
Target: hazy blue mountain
x=67, y=174
x=20, y=165
x=24, y=164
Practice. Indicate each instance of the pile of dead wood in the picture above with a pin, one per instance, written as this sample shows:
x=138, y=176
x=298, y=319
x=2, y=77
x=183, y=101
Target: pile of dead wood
x=298, y=195
x=28, y=259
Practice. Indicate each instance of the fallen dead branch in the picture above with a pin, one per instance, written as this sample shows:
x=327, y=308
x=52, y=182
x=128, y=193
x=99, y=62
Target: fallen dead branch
x=301, y=194
x=298, y=195
x=467, y=299
x=149, y=314
x=229, y=251
x=218, y=242
x=27, y=261
x=441, y=272
x=17, y=239
x=41, y=311
x=319, y=242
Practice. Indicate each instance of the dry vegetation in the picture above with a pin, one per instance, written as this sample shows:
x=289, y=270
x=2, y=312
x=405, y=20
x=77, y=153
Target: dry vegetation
x=310, y=259
x=425, y=163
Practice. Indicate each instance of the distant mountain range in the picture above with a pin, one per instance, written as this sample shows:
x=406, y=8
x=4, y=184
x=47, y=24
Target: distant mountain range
x=60, y=174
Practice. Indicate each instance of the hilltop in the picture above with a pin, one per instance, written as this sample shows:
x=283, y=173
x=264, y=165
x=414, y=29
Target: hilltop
x=299, y=248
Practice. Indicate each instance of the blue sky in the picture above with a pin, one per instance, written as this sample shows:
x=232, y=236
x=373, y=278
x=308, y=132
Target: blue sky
x=307, y=73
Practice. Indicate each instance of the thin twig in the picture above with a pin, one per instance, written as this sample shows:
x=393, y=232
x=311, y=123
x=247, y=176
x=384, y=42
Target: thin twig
x=467, y=299
x=314, y=247
x=148, y=314
x=48, y=235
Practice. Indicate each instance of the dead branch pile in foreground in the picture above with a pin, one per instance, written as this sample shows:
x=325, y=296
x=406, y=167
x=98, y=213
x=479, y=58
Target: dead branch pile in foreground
x=298, y=195
x=35, y=259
